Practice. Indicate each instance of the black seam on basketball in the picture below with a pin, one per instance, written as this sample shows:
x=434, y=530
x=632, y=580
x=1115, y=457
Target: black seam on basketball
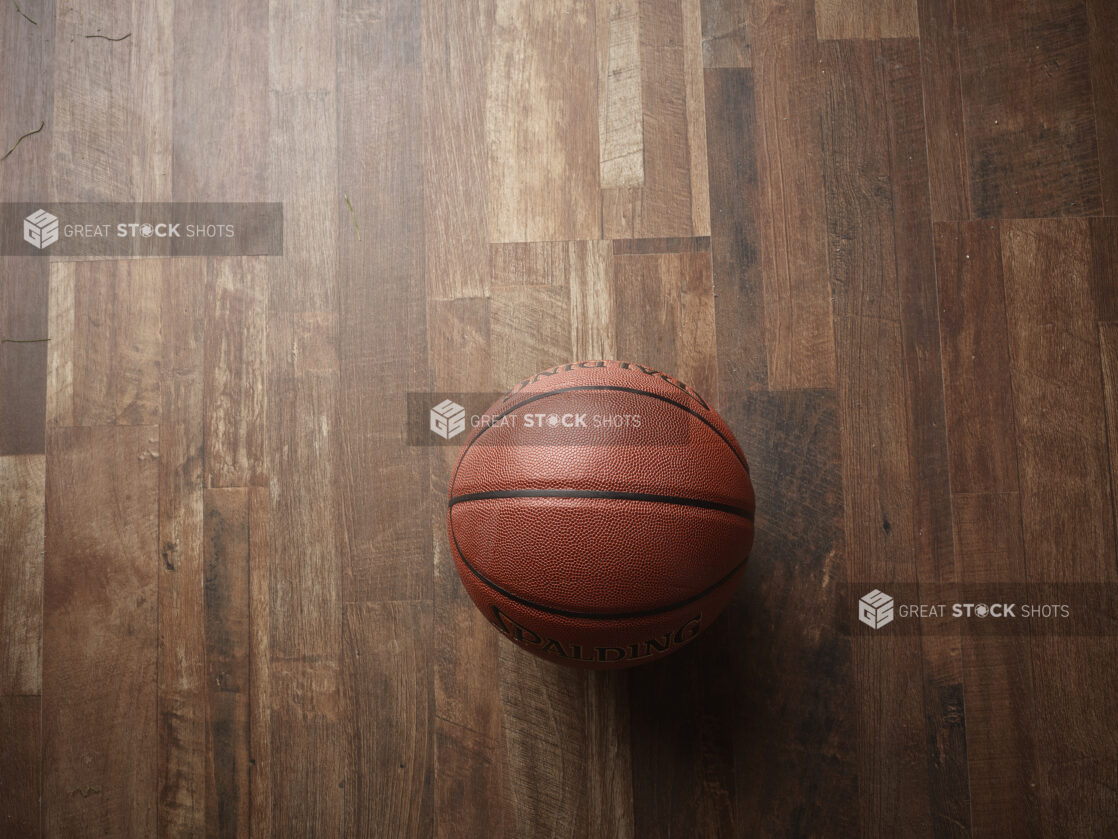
x=605, y=616
x=535, y=396
x=595, y=493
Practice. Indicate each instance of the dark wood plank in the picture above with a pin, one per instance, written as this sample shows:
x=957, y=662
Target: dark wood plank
x=997, y=674
x=22, y=486
x=891, y=397
x=388, y=706
x=100, y=633
x=1104, y=267
x=1066, y=508
x=948, y=172
x=181, y=674
x=1102, y=19
x=676, y=244
x=976, y=378
x=1027, y=106
x=260, y=675
x=727, y=39
x=21, y=759
x=791, y=212
x=790, y=687
x=543, y=172
x=735, y=243
x=226, y=554
x=382, y=324
x=1108, y=348
x=235, y=371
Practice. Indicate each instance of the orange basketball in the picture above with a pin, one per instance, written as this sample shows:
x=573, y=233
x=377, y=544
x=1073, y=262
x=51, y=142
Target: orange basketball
x=600, y=514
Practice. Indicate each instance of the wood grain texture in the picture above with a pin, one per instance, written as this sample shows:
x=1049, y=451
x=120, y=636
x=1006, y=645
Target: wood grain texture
x=1026, y=92
x=979, y=395
x=100, y=633
x=866, y=19
x=791, y=213
x=260, y=672
x=1108, y=350
x=727, y=39
x=997, y=674
x=181, y=658
x=388, y=697
x=21, y=746
x=382, y=330
x=235, y=371
x=301, y=52
x=226, y=554
x=1062, y=449
x=542, y=144
x=662, y=205
x=116, y=342
x=695, y=96
x=948, y=172
x=1104, y=267
x=1102, y=20
x=620, y=107
x=22, y=486
x=891, y=398
x=735, y=242
x=60, y=348
x=457, y=39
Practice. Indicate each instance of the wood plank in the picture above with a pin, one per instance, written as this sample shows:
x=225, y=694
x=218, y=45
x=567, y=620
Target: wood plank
x=727, y=37
x=388, y=705
x=997, y=677
x=1024, y=69
x=260, y=670
x=609, y=781
x=695, y=97
x=21, y=759
x=542, y=147
x=1104, y=267
x=117, y=342
x=303, y=174
x=235, y=370
x=530, y=330
x=387, y=543
x=113, y=102
x=735, y=243
x=620, y=107
x=663, y=204
x=100, y=633
x=22, y=486
x=301, y=53
x=27, y=67
x=60, y=350
x=468, y=772
x=1066, y=506
x=1108, y=349
x=1102, y=19
x=666, y=244
x=221, y=68
x=948, y=172
x=592, y=310
x=791, y=685
x=976, y=377
x=546, y=745
x=791, y=213
x=895, y=471
x=866, y=19
x=181, y=675
x=457, y=37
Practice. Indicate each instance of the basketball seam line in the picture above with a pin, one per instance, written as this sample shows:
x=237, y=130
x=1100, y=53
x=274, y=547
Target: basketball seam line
x=621, y=388
x=592, y=615
x=609, y=494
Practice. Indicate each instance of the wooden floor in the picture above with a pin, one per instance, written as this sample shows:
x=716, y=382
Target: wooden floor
x=882, y=235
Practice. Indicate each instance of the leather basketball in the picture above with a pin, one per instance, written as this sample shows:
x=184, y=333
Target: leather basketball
x=601, y=514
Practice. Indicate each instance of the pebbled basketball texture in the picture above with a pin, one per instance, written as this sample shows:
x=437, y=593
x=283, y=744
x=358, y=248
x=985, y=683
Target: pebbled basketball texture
x=601, y=514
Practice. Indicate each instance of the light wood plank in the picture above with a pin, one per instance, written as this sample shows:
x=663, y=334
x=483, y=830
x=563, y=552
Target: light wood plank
x=620, y=108
x=866, y=19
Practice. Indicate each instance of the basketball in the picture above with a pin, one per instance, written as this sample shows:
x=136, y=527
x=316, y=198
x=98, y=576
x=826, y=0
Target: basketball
x=600, y=514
